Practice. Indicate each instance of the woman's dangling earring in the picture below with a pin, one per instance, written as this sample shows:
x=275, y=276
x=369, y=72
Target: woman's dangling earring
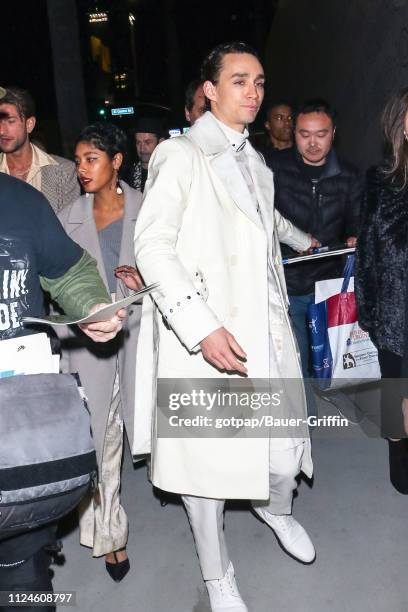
x=119, y=189
x=405, y=136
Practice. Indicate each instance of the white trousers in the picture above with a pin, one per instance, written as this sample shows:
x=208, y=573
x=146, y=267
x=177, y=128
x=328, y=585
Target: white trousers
x=103, y=524
x=206, y=516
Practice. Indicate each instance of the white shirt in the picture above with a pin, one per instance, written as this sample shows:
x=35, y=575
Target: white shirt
x=238, y=141
x=39, y=160
x=279, y=340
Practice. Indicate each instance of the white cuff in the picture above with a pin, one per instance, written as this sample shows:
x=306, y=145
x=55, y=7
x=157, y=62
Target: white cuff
x=191, y=320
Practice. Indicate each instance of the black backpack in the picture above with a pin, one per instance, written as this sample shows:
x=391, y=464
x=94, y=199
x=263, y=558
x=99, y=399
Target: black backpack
x=47, y=456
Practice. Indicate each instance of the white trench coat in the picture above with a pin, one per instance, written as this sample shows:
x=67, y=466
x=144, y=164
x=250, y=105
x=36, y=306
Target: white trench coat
x=198, y=221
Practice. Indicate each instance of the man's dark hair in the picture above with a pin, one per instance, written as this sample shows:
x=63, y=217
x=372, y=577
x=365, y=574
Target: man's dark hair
x=316, y=106
x=212, y=64
x=190, y=93
x=21, y=99
x=277, y=102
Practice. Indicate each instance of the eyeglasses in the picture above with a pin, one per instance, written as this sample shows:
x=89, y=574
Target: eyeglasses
x=280, y=117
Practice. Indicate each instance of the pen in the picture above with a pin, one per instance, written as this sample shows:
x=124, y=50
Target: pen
x=321, y=249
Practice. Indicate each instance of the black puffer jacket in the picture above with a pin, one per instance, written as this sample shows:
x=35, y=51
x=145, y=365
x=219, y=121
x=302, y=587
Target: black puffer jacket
x=329, y=210
x=382, y=263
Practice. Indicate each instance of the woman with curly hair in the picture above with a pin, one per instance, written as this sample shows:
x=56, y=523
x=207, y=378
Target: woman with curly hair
x=102, y=221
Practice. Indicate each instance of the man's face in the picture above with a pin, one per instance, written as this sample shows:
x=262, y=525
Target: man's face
x=14, y=130
x=314, y=134
x=145, y=145
x=238, y=94
x=279, y=123
x=198, y=107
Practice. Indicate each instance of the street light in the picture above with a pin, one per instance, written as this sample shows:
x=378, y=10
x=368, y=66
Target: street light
x=132, y=20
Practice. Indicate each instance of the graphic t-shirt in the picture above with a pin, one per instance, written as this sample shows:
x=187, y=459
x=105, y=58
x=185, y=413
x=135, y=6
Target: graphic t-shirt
x=32, y=244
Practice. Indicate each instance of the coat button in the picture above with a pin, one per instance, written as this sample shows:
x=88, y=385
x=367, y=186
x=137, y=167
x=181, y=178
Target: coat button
x=233, y=260
x=130, y=312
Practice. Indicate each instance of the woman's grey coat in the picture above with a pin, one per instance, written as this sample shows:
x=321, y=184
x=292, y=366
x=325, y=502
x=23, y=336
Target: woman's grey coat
x=96, y=363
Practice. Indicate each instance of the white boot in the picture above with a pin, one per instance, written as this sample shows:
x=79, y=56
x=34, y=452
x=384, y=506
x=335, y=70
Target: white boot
x=291, y=534
x=224, y=594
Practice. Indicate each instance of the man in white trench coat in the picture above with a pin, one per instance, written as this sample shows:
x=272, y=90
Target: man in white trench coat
x=208, y=233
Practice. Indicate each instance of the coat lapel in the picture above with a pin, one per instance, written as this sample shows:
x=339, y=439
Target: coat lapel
x=82, y=229
x=133, y=201
x=207, y=134
x=226, y=168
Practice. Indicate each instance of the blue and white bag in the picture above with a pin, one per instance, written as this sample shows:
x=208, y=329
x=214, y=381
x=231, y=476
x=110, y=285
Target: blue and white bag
x=342, y=353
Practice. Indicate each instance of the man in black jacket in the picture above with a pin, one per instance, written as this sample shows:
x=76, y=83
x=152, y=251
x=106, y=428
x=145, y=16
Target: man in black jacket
x=321, y=195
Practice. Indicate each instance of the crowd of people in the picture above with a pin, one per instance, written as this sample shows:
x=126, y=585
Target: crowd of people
x=208, y=217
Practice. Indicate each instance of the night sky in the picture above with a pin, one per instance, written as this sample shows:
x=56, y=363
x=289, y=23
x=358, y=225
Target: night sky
x=25, y=52
x=171, y=39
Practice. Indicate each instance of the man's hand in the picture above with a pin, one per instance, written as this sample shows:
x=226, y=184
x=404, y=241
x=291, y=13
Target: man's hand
x=103, y=331
x=351, y=242
x=130, y=276
x=221, y=350
x=313, y=244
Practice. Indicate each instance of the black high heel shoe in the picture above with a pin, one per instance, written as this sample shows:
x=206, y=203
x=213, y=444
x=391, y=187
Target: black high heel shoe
x=398, y=455
x=117, y=571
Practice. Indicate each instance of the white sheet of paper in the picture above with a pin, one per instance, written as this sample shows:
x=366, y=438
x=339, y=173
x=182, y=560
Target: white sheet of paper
x=29, y=354
x=103, y=314
x=292, y=260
